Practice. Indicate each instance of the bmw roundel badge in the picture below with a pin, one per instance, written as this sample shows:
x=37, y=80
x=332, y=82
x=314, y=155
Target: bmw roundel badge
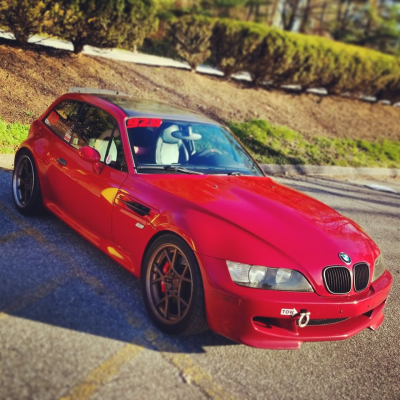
x=345, y=258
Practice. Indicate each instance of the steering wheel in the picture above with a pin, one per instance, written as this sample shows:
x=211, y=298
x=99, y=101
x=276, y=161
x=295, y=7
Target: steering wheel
x=207, y=152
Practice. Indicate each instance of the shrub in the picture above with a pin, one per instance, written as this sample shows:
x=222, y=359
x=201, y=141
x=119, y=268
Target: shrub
x=233, y=44
x=190, y=36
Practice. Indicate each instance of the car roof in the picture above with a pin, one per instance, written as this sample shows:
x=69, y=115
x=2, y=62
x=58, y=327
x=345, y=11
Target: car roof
x=137, y=107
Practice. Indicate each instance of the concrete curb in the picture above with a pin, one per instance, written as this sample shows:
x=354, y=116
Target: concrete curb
x=320, y=170
x=7, y=162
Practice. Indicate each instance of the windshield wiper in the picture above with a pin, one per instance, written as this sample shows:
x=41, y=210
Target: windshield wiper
x=181, y=169
x=235, y=173
x=174, y=168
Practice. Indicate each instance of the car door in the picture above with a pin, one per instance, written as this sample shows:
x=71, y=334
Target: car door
x=81, y=194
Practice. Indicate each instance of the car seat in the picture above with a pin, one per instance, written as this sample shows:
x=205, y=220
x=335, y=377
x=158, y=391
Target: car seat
x=170, y=149
x=101, y=146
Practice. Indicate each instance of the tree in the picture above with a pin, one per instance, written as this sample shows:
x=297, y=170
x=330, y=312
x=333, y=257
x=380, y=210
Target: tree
x=273, y=12
x=102, y=23
x=305, y=17
x=369, y=23
x=289, y=13
x=23, y=17
x=377, y=27
x=254, y=7
x=191, y=37
x=321, y=18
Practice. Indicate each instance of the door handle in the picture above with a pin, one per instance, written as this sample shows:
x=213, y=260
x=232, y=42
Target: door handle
x=140, y=209
x=62, y=162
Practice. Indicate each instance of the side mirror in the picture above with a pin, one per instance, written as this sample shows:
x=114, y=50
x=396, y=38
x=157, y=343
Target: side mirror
x=92, y=156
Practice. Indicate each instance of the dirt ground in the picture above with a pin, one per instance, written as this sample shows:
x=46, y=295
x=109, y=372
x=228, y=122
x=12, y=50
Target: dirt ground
x=30, y=79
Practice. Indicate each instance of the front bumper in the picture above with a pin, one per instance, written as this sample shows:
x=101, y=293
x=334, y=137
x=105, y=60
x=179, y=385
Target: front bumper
x=254, y=316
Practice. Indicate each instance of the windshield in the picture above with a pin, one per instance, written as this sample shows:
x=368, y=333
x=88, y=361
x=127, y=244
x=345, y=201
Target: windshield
x=184, y=147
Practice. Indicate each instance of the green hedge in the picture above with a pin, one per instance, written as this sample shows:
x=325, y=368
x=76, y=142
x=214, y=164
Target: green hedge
x=279, y=57
x=233, y=45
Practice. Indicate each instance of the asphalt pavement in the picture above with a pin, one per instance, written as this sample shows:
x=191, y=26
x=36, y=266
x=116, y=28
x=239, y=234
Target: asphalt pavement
x=73, y=325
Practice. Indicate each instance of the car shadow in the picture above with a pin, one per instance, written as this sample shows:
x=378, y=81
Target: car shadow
x=51, y=275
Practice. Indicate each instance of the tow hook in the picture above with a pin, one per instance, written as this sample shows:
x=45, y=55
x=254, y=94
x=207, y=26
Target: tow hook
x=304, y=318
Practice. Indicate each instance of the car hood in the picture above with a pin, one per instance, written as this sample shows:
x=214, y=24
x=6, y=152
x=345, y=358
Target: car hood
x=233, y=214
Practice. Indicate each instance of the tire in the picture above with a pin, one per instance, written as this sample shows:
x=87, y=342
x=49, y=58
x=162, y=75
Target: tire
x=172, y=287
x=25, y=185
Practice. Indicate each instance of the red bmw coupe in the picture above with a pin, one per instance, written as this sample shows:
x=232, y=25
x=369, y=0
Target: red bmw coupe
x=173, y=197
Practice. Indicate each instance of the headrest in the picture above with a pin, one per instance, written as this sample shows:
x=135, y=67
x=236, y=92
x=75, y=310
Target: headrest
x=192, y=136
x=167, y=136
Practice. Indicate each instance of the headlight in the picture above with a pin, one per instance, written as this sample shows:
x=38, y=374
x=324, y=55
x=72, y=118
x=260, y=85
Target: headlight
x=379, y=268
x=268, y=278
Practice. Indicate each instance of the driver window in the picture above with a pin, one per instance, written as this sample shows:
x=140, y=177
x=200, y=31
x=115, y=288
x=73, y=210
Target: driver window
x=99, y=130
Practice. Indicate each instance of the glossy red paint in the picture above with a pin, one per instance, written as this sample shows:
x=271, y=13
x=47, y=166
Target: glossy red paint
x=251, y=220
x=89, y=154
x=253, y=316
x=92, y=156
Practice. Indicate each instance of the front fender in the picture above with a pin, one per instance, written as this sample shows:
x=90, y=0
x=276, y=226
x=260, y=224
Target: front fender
x=216, y=237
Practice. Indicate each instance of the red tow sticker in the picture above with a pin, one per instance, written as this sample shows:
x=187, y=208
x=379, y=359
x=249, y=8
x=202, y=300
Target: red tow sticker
x=143, y=123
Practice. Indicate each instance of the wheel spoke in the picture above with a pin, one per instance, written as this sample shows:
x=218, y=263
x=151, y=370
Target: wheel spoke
x=184, y=272
x=186, y=280
x=161, y=301
x=168, y=257
x=179, y=307
x=158, y=269
x=173, y=260
x=183, y=301
x=166, y=307
x=160, y=279
x=23, y=195
x=23, y=169
x=26, y=169
x=28, y=186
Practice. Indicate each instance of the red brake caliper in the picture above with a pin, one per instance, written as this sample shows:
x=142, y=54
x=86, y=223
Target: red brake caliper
x=165, y=270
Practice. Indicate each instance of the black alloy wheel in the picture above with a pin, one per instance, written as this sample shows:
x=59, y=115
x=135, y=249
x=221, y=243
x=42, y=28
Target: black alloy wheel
x=172, y=287
x=25, y=185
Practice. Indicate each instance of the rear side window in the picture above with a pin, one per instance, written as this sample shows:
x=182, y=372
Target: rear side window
x=63, y=118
